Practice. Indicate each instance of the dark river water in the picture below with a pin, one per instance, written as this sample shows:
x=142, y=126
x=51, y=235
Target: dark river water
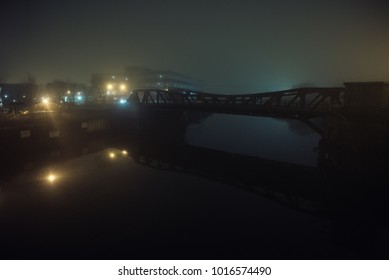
x=236, y=188
x=268, y=138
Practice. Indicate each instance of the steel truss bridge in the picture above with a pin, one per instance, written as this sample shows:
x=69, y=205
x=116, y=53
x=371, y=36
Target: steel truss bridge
x=300, y=102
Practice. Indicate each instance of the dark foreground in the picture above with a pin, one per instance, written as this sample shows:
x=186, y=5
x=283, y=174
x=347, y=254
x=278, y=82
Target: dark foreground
x=146, y=194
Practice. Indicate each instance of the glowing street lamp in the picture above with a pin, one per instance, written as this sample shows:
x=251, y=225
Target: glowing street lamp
x=109, y=86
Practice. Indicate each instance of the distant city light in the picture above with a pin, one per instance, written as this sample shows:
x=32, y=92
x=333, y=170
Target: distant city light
x=122, y=101
x=68, y=92
x=109, y=86
x=124, y=152
x=123, y=87
x=45, y=100
x=160, y=76
x=79, y=97
x=111, y=155
x=24, y=96
x=5, y=96
x=113, y=77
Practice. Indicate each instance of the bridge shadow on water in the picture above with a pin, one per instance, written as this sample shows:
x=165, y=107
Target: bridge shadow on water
x=337, y=210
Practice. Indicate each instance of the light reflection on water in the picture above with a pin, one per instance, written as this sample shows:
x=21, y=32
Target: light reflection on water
x=117, y=198
x=62, y=174
x=109, y=195
x=275, y=139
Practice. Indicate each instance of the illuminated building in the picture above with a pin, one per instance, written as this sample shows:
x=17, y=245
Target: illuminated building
x=116, y=87
x=144, y=78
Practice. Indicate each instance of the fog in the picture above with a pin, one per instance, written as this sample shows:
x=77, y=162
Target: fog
x=232, y=46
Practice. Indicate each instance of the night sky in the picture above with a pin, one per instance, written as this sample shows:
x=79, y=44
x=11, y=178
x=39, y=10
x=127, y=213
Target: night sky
x=232, y=46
